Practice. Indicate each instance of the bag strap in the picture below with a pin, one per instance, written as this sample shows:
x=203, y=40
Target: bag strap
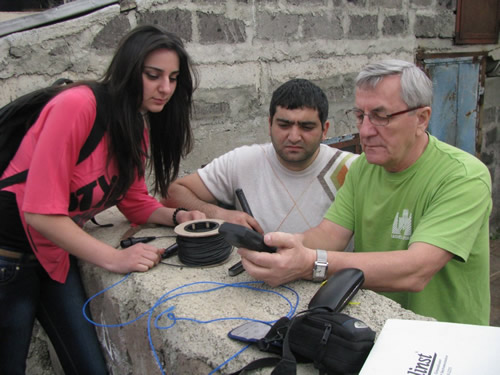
x=288, y=363
x=257, y=364
x=14, y=179
x=99, y=127
x=95, y=136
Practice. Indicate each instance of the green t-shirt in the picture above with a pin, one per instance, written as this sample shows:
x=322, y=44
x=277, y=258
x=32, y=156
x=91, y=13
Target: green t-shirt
x=443, y=199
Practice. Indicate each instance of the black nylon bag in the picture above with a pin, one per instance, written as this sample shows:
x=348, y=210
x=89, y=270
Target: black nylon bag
x=19, y=115
x=335, y=342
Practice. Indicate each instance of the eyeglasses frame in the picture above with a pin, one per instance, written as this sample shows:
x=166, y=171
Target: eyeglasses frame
x=387, y=117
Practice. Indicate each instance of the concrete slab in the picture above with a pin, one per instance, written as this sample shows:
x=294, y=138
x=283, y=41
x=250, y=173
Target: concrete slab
x=189, y=347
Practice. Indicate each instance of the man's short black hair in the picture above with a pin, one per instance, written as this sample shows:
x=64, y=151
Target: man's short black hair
x=300, y=93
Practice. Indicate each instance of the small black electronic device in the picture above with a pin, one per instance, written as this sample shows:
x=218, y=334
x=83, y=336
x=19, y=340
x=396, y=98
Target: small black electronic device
x=170, y=251
x=250, y=331
x=336, y=292
x=240, y=236
x=236, y=269
x=133, y=240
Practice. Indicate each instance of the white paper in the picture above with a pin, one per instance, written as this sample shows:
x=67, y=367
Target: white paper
x=413, y=347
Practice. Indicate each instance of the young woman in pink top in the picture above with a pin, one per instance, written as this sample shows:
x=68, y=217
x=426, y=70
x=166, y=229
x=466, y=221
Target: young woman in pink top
x=144, y=100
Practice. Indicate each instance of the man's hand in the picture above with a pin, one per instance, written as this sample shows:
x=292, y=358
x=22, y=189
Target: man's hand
x=292, y=261
x=183, y=216
x=241, y=218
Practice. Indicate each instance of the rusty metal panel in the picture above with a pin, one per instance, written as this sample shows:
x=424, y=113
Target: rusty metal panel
x=455, y=102
x=477, y=21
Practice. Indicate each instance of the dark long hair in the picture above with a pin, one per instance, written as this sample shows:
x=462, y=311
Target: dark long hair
x=170, y=131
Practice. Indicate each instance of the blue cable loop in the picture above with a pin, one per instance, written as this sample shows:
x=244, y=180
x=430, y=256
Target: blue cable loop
x=171, y=316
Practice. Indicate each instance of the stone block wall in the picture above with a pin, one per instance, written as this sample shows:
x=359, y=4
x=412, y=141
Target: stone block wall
x=243, y=49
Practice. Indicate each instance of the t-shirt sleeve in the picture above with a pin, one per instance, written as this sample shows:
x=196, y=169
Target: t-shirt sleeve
x=55, y=141
x=455, y=215
x=218, y=176
x=138, y=204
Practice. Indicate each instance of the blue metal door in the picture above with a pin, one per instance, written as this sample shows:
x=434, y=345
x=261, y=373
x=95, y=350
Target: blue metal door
x=455, y=103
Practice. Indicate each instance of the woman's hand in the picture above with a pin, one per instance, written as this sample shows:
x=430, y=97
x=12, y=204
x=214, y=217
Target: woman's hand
x=140, y=257
x=63, y=232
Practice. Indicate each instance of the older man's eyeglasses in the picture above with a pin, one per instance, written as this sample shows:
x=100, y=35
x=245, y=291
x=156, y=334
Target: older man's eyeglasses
x=377, y=119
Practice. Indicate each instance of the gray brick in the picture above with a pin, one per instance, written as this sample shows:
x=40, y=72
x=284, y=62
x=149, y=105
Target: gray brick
x=421, y=3
x=491, y=137
x=277, y=26
x=488, y=115
x=176, y=20
x=387, y=3
x=205, y=111
x=446, y=25
x=307, y=2
x=425, y=27
x=363, y=27
x=395, y=25
x=488, y=158
x=447, y=4
x=321, y=27
x=107, y=39
x=210, y=2
x=360, y=3
x=338, y=88
x=214, y=28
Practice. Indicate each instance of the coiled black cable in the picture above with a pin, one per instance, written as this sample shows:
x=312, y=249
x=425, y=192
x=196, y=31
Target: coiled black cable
x=203, y=251
x=200, y=243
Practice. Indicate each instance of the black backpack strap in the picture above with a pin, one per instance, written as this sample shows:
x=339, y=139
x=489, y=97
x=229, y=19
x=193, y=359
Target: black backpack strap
x=14, y=179
x=288, y=363
x=100, y=125
x=257, y=364
x=101, y=225
x=271, y=343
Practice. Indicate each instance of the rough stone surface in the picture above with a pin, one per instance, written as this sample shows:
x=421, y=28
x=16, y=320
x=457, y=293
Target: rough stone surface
x=180, y=345
x=395, y=25
x=189, y=347
x=363, y=27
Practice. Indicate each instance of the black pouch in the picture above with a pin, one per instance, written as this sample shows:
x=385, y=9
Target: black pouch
x=335, y=343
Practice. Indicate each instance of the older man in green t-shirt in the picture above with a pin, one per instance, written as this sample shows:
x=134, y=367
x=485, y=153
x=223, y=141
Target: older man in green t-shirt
x=418, y=209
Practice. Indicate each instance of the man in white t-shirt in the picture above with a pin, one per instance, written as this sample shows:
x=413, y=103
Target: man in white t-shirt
x=288, y=183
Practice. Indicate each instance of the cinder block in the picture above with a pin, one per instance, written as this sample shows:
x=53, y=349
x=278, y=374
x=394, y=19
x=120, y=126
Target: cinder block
x=175, y=20
x=363, y=27
x=395, y=25
x=215, y=28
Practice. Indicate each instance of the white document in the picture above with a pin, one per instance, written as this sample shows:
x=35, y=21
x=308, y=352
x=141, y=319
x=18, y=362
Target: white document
x=413, y=347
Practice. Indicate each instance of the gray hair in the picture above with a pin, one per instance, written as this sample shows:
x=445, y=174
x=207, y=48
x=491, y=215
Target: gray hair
x=416, y=87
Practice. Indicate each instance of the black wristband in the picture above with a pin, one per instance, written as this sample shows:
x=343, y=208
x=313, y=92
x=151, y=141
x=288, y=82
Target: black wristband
x=174, y=216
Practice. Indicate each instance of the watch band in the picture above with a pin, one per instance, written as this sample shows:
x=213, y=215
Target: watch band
x=320, y=266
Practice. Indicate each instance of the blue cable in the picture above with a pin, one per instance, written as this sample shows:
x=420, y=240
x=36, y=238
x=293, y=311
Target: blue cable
x=170, y=315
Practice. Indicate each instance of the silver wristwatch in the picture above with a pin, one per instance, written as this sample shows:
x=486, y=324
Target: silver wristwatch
x=320, y=266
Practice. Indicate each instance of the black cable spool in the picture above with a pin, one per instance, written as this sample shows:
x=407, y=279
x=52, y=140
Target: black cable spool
x=201, y=244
